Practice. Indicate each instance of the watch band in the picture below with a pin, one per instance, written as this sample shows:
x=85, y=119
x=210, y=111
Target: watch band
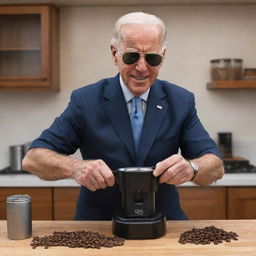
x=194, y=168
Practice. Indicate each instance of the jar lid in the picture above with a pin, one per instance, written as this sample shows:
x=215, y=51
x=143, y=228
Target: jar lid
x=220, y=60
x=225, y=60
x=238, y=60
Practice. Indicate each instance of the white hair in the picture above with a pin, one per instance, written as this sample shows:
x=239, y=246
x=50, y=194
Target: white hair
x=137, y=18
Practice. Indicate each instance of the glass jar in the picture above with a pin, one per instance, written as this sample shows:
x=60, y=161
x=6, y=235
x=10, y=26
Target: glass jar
x=235, y=72
x=250, y=74
x=219, y=69
x=226, y=69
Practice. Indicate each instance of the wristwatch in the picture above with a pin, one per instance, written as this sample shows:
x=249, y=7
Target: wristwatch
x=195, y=169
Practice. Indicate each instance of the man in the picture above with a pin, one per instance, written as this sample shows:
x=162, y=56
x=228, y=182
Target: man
x=101, y=119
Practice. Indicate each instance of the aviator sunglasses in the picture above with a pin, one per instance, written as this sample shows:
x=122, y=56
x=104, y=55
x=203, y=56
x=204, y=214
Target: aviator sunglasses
x=152, y=59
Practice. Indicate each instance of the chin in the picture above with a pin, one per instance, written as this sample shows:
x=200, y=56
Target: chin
x=139, y=88
x=139, y=91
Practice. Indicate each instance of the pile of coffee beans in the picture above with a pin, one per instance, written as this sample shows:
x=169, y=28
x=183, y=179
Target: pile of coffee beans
x=207, y=235
x=84, y=239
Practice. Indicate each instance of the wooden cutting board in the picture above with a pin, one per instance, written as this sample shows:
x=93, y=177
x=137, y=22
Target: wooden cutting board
x=166, y=245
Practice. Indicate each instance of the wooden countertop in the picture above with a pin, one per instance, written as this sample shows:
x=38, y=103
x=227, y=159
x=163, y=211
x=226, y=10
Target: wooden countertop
x=166, y=245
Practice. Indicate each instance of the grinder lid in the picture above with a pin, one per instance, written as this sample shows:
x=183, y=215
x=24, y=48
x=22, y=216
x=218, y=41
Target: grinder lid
x=136, y=169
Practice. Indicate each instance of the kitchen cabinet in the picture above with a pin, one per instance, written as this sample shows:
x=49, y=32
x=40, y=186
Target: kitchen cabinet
x=41, y=201
x=29, y=51
x=64, y=203
x=219, y=202
x=242, y=203
x=197, y=202
x=240, y=84
x=205, y=203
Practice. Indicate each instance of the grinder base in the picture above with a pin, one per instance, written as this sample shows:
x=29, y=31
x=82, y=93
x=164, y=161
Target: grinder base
x=139, y=228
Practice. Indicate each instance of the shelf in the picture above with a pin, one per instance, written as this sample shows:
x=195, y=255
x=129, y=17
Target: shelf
x=20, y=78
x=19, y=49
x=241, y=84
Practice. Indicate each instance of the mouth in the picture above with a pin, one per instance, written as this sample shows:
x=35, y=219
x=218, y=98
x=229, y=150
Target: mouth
x=140, y=78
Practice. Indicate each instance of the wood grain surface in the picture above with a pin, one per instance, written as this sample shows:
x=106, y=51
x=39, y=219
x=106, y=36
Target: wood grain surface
x=166, y=245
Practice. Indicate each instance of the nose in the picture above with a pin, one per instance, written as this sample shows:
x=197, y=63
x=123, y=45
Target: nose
x=141, y=64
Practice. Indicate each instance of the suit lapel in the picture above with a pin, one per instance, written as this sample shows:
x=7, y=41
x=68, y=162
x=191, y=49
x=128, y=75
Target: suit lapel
x=156, y=110
x=116, y=110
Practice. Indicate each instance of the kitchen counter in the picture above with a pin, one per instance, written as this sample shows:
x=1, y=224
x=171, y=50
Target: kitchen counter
x=166, y=245
x=29, y=180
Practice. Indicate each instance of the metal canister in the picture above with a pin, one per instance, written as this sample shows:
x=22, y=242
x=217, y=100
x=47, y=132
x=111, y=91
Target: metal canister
x=19, y=221
x=16, y=156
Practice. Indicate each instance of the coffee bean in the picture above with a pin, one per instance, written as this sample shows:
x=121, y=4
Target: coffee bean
x=207, y=235
x=76, y=239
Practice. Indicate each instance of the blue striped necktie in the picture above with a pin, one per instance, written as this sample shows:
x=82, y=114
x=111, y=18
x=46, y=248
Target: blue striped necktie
x=136, y=117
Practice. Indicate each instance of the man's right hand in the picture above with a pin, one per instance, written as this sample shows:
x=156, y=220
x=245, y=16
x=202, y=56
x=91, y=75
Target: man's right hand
x=50, y=165
x=93, y=174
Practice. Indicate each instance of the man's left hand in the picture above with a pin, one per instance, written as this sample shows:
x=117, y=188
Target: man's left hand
x=173, y=170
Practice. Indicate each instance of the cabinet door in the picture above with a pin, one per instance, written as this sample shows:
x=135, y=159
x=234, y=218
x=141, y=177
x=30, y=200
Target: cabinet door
x=29, y=47
x=41, y=201
x=65, y=203
x=241, y=203
x=203, y=203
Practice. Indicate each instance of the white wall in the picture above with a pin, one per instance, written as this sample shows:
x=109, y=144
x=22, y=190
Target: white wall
x=196, y=35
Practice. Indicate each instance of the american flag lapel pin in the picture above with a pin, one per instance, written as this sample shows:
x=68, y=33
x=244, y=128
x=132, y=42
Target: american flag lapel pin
x=159, y=107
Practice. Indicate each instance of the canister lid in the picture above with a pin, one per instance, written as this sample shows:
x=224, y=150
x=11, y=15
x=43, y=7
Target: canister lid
x=18, y=199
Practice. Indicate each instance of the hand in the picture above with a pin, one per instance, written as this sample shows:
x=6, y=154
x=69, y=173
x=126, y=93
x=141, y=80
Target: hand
x=93, y=174
x=174, y=170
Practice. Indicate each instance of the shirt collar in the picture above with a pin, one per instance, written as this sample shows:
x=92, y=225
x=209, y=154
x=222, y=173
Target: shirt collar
x=127, y=93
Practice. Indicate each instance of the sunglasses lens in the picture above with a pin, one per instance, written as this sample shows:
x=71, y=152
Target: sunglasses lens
x=153, y=59
x=131, y=57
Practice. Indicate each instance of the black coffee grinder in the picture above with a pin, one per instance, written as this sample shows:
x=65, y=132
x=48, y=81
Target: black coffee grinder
x=137, y=218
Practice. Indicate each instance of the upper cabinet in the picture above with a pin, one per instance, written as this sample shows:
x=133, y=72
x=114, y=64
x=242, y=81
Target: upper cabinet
x=29, y=47
x=131, y=2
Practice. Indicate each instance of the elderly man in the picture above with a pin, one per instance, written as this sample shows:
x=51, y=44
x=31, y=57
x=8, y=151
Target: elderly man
x=132, y=119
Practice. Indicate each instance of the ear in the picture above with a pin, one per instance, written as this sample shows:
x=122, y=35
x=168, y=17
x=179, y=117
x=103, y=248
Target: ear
x=164, y=52
x=114, y=54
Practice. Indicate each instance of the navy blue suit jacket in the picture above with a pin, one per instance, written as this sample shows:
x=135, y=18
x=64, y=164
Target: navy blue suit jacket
x=97, y=122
